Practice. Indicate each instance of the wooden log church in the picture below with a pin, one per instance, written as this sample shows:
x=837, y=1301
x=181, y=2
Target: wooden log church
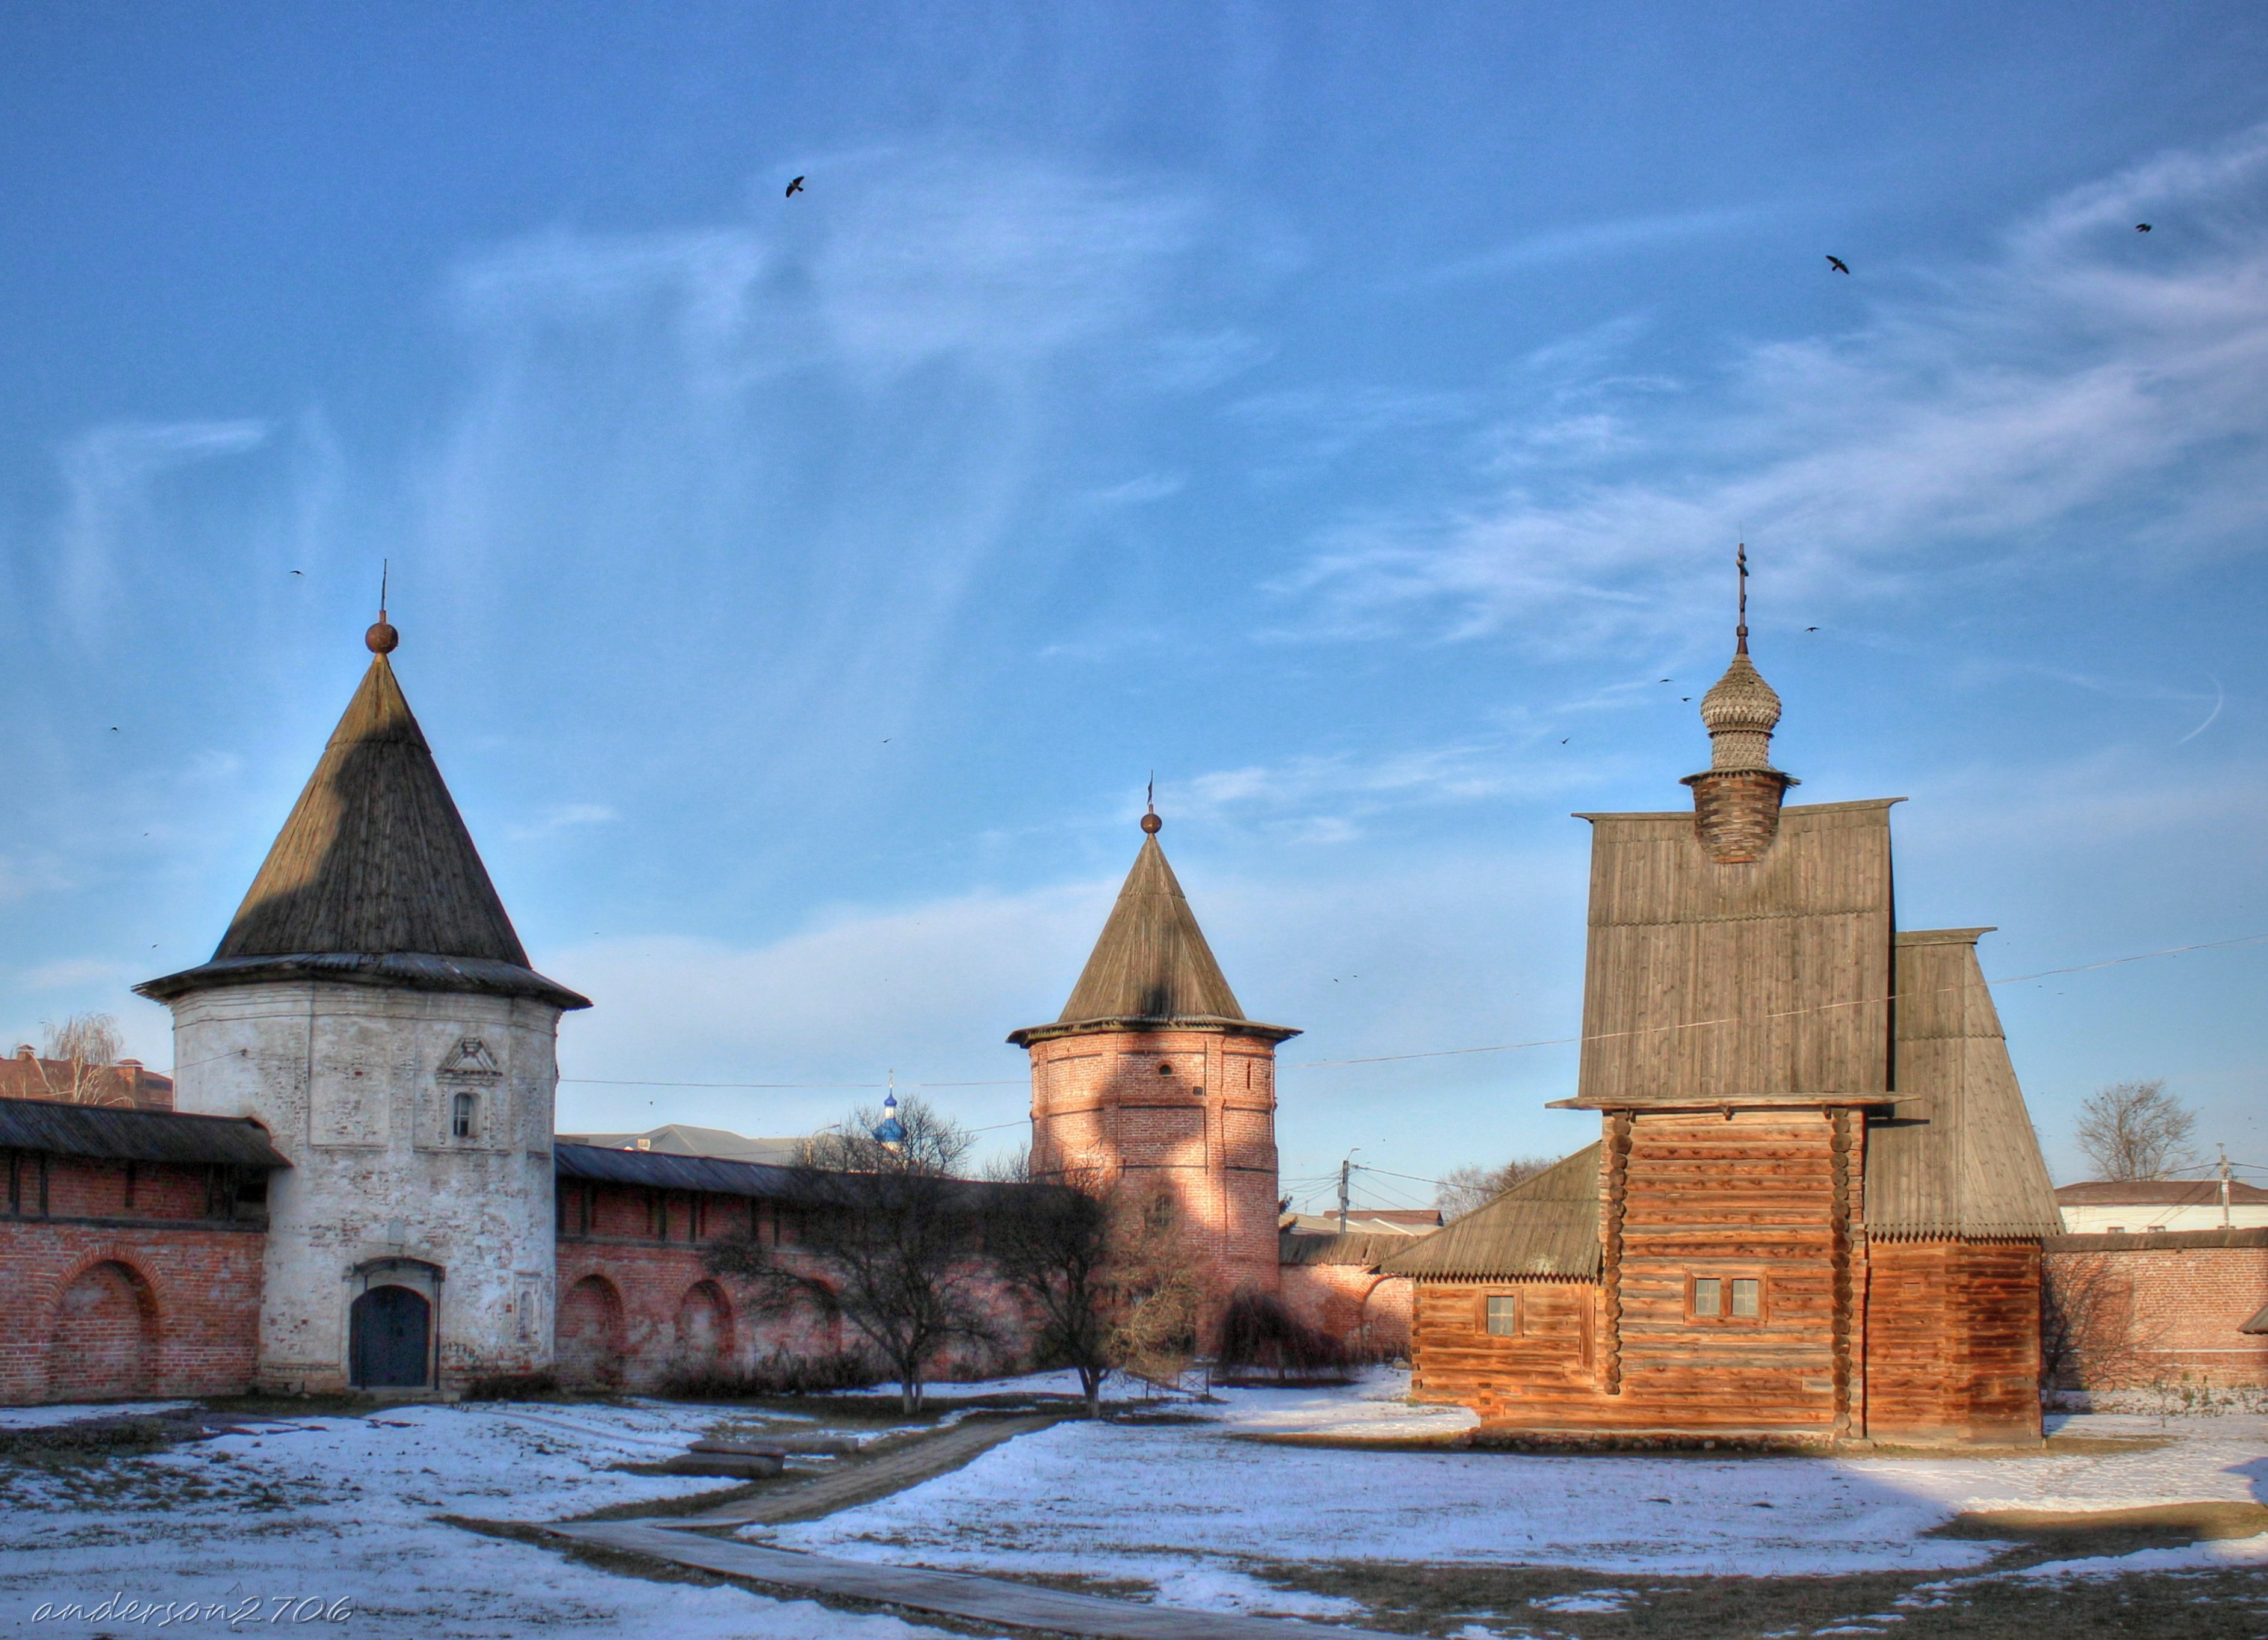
x=1815, y=1207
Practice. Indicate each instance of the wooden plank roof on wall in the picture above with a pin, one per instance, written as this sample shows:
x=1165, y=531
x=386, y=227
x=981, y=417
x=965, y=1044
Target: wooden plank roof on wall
x=1957, y=1156
x=1547, y=1225
x=1767, y=977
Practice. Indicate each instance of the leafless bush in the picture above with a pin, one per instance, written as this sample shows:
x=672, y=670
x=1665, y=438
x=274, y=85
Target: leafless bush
x=1257, y=1334
x=2091, y=1333
x=1464, y=1189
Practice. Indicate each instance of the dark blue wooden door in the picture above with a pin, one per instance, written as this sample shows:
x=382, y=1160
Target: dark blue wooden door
x=392, y=1329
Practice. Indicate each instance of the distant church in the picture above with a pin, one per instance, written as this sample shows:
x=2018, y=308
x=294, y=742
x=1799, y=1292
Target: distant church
x=1817, y=1205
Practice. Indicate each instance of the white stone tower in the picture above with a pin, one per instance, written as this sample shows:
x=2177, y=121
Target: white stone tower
x=372, y=1008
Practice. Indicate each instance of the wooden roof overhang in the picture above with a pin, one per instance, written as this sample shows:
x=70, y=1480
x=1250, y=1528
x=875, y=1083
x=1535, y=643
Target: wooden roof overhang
x=1747, y=1101
x=116, y=1133
x=1546, y=1226
x=1138, y=1023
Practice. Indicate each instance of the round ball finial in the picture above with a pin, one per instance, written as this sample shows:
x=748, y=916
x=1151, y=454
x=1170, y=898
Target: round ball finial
x=381, y=637
x=1152, y=823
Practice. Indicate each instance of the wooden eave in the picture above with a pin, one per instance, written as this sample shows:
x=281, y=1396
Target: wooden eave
x=1757, y=1101
x=1139, y=1023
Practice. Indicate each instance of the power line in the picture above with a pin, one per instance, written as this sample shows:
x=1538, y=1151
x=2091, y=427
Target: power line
x=1785, y=1013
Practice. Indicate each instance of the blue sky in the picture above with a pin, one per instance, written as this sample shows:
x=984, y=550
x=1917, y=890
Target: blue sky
x=1347, y=413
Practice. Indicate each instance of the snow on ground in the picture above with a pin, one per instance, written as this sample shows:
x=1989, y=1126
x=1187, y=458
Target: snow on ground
x=1163, y=1502
x=321, y=1509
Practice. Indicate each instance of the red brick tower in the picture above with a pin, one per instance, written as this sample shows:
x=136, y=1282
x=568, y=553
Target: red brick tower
x=1153, y=1075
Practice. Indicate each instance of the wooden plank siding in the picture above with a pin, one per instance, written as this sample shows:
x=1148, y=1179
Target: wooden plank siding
x=1544, y=1377
x=1953, y=1341
x=1771, y=977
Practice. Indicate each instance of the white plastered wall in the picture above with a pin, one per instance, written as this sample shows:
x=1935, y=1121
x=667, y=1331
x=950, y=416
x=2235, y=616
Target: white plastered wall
x=355, y=1086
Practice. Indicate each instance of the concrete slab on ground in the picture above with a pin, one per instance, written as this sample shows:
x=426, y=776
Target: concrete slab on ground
x=950, y=1593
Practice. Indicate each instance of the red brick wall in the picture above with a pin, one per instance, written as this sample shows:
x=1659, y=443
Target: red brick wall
x=104, y=1301
x=1350, y=1302
x=636, y=1311
x=1193, y=1110
x=2166, y=1306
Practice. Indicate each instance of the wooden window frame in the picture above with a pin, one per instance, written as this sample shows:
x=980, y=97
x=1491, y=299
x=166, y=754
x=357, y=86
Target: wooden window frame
x=1724, y=1316
x=1481, y=1306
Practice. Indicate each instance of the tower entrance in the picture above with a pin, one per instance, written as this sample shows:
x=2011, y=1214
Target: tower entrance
x=390, y=1339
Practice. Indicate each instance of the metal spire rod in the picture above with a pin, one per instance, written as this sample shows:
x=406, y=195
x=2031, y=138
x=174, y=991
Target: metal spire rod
x=1742, y=631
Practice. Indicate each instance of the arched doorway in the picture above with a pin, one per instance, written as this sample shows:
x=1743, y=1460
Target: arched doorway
x=390, y=1339
x=704, y=1330
x=104, y=1344
x=588, y=1348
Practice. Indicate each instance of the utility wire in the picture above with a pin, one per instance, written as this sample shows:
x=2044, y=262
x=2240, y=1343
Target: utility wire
x=1785, y=1013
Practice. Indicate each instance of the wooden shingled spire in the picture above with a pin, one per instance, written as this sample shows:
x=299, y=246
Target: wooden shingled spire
x=1151, y=961
x=374, y=877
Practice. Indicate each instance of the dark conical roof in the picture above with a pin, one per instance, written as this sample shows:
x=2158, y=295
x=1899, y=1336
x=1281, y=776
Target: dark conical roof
x=374, y=876
x=1151, y=963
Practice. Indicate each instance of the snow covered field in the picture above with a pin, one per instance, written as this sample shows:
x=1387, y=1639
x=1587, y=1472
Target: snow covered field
x=324, y=1509
x=1182, y=1502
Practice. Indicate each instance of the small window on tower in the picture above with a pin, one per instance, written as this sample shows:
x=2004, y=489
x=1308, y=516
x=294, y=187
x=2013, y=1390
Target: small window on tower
x=1503, y=1315
x=1164, y=1070
x=1747, y=1297
x=1708, y=1296
x=463, y=1110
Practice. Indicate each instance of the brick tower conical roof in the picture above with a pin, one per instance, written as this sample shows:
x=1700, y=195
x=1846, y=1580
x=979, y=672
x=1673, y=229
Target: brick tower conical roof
x=375, y=877
x=1152, y=965
x=1151, y=961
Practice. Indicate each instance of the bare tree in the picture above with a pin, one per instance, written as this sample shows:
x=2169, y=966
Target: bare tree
x=1157, y=1292
x=86, y=1046
x=2135, y=1130
x=1053, y=1243
x=2092, y=1334
x=1464, y=1189
x=884, y=1237
x=930, y=1142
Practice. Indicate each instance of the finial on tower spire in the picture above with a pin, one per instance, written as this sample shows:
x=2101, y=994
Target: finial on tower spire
x=1742, y=631
x=1151, y=823
x=381, y=638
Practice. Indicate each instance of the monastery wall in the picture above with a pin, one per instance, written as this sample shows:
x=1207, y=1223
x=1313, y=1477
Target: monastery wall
x=120, y=1281
x=2161, y=1308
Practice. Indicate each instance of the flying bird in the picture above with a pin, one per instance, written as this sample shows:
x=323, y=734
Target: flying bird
x=1838, y=264
x=2141, y=227
x=295, y=572
x=1811, y=629
x=793, y=189
x=1562, y=743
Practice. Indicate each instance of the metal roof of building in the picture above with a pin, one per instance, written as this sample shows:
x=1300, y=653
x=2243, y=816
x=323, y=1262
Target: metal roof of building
x=659, y=1170
x=1547, y=1225
x=2157, y=1192
x=373, y=879
x=1367, y=1249
x=116, y=1133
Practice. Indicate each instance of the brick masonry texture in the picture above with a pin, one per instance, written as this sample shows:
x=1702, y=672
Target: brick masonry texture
x=106, y=1300
x=1351, y=1302
x=1191, y=1110
x=2171, y=1311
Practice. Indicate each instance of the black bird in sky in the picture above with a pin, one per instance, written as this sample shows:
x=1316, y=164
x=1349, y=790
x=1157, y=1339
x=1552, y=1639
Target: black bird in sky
x=1836, y=263
x=2141, y=227
x=295, y=572
x=793, y=189
x=1811, y=629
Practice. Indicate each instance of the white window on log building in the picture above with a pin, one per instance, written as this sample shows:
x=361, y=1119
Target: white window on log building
x=1712, y=1301
x=1503, y=1315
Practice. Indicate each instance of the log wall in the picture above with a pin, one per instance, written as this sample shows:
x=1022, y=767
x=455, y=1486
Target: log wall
x=1953, y=1337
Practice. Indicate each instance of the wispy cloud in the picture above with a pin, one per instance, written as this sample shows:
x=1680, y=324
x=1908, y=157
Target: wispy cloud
x=71, y=971
x=1592, y=238
x=107, y=473
x=2026, y=392
x=562, y=817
